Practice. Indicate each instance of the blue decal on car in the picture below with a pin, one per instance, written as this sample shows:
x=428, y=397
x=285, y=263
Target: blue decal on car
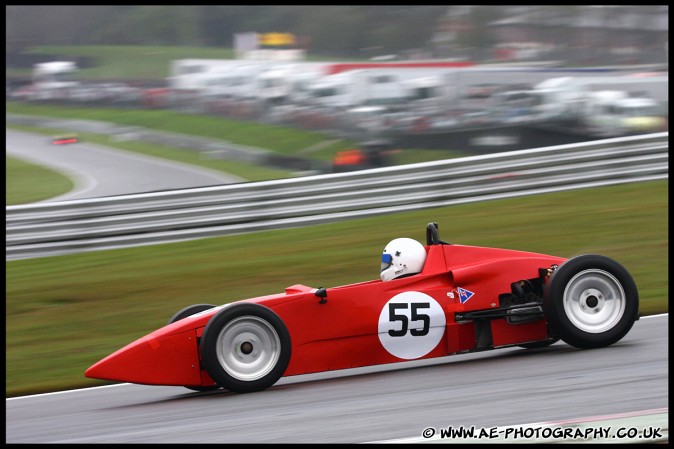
x=464, y=295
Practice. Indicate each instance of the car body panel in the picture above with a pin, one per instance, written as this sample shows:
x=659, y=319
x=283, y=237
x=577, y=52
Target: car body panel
x=367, y=323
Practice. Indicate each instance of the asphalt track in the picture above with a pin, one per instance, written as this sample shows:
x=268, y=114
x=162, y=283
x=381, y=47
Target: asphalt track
x=99, y=171
x=495, y=388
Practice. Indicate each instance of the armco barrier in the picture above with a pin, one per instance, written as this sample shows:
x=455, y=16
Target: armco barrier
x=53, y=228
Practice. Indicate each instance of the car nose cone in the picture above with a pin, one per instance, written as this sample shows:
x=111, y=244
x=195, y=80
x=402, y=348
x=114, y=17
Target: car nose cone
x=156, y=359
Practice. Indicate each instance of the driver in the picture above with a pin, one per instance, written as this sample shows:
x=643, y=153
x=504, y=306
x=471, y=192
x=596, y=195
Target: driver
x=402, y=257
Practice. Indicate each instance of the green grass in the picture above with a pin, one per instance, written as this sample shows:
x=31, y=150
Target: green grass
x=283, y=140
x=64, y=313
x=22, y=185
x=27, y=183
x=25, y=189
x=279, y=139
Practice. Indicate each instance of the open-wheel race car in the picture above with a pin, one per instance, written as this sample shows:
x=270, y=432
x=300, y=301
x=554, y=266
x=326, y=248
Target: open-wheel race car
x=431, y=301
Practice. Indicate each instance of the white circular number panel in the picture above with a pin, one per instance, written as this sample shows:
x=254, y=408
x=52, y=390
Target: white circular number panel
x=411, y=324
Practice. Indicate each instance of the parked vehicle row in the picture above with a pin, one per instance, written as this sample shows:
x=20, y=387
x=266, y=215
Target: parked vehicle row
x=370, y=99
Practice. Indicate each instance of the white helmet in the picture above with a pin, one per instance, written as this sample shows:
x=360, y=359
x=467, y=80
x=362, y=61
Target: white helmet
x=401, y=257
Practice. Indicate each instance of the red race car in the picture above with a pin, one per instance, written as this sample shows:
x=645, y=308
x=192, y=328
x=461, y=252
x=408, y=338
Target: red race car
x=65, y=139
x=431, y=301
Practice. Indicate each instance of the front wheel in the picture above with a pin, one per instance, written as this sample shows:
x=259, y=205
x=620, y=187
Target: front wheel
x=189, y=310
x=184, y=313
x=591, y=301
x=245, y=348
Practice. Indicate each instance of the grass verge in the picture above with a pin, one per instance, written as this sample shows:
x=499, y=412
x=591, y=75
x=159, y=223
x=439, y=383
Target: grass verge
x=28, y=183
x=64, y=313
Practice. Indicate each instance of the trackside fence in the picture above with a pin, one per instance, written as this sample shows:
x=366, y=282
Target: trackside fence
x=60, y=227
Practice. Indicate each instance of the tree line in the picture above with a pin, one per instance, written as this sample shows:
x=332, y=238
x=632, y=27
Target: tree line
x=333, y=30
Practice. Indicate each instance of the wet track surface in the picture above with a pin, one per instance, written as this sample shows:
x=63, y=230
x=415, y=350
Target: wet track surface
x=494, y=388
x=99, y=171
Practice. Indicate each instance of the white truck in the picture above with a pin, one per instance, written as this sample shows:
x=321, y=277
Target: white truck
x=612, y=113
x=288, y=83
x=432, y=94
x=53, y=80
x=366, y=87
x=604, y=106
x=194, y=82
x=190, y=74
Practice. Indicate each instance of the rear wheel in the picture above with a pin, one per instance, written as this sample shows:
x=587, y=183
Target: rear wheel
x=184, y=313
x=245, y=348
x=591, y=301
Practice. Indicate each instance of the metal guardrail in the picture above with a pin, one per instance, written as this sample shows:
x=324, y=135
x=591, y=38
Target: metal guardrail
x=42, y=229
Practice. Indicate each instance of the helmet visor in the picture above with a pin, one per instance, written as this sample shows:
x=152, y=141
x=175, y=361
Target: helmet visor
x=386, y=261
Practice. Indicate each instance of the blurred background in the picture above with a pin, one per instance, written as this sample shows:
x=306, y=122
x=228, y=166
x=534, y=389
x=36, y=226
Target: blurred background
x=573, y=34
x=475, y=79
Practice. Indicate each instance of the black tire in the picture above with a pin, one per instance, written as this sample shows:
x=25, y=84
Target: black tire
x=539, y=344
x=591, y=301
x=189, y=310
x=245, y=348
x=184, y=313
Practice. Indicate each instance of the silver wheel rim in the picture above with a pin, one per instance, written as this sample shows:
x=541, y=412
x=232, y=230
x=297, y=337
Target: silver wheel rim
x=594, y=301
x=248, y=348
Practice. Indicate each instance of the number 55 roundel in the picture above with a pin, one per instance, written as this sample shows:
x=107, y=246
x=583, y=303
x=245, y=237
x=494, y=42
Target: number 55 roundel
x=411, y=324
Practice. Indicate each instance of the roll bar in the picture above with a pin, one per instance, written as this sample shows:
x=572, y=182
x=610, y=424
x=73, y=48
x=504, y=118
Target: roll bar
x=433, y=236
